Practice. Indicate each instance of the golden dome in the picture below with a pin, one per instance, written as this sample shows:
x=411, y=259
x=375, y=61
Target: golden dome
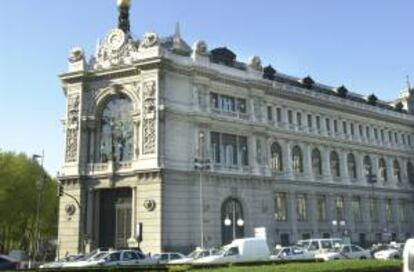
x=124, y=3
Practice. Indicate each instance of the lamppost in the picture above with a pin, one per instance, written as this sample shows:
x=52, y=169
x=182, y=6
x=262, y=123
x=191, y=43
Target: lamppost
x=40, y=183
x=201, y=165
x=233, y=221
x=338, y=225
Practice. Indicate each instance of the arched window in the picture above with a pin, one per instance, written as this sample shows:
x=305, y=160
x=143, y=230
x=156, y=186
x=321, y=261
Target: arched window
x=352, y=166
x=382, y=169
x=116, y=130
x=316, y=162
x=276, y=159
x=297, y=160
x=397, y=171
x=367, y=166
x=334, y=161
x=410, y=172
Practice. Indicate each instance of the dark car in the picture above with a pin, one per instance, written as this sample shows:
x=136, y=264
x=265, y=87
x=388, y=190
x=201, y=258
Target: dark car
x=7, y=263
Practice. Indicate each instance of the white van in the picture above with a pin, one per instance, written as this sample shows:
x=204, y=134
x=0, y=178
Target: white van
x=320, y=245
x=240, y=250
x=408, y=256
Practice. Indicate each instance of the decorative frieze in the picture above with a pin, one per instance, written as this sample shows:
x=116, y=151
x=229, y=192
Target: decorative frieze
x=72, y=127
x=149, y=118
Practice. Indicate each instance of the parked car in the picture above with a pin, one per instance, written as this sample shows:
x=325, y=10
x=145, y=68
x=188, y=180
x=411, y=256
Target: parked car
x=114, y=258
x=240, y=250
x=200, y=253
x=344, y=252
x=291, y=253
x=392, y=251
x=172, y=258
x=59, y=263
x=408, y=256
x=7, y=263
x=320, y=245
x=387, y=254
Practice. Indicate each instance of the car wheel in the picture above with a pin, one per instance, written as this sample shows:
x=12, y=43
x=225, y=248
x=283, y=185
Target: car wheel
x=363, y=258
x=397, y=257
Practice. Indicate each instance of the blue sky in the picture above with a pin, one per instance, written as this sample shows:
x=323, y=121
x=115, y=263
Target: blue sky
x=366, y=45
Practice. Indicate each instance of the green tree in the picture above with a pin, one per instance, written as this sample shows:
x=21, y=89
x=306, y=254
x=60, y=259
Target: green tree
x=22, y=181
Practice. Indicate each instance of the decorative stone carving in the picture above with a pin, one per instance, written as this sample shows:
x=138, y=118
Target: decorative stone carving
x=150, y=205
x=372, y=100
x=70, y=209
x=256, y=63
x=117, y=49
x=149, y=116
x=200, y=47
x=150, y=40
x=269, y=73
x=76, y=54
x=72, y=126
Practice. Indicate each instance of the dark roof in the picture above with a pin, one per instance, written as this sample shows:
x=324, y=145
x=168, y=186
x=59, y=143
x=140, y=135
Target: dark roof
x=223, y=55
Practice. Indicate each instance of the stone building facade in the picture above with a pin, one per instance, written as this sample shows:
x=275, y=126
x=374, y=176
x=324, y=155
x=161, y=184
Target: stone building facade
x=190, y=146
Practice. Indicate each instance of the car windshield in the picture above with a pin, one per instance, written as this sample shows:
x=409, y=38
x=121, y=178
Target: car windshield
x=219, y=252
x=304, y=244
x=194, y=254
x=99, y=256
x=276, y=251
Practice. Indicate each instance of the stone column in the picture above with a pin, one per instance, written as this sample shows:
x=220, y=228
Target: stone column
x=396, y=215
x=375, y=164
x=366, y=218
x=132, y=241
x=390, y=171
x=324, y=129
x=348, y=213
x=292, y=216
x=330, y=210
x=307, y=161
x=285, y=122
x=343, y=157
x=89, y=220
x=326, y=165
x=382, y=213
x=359, y=161
x=287, y=157
x=312, y=212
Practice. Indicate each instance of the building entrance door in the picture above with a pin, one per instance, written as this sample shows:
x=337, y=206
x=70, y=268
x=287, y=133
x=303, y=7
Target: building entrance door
x=232, y=220
x=115, y=218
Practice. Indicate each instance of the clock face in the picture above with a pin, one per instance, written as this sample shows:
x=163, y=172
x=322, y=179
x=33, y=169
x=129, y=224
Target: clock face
x=116, y=39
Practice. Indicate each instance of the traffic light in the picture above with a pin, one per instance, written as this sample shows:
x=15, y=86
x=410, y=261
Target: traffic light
x=60, y=190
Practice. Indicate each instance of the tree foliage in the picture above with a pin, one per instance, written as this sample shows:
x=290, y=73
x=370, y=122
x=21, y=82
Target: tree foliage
x=23, y=182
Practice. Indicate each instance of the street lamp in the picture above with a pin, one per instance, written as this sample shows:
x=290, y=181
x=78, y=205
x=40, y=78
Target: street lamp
x=40, y=183
x=233, y=221
x=338, y=225
x=201, y=165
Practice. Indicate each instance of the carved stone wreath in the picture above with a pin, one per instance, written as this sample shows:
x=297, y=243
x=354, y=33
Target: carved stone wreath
x=150, y=205
x=70, y=209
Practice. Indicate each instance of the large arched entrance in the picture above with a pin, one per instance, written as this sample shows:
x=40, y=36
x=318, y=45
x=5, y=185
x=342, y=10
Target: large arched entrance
x=232, y=220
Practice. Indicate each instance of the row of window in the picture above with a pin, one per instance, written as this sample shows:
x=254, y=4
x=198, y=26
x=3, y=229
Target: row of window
x=302, y=214
x=348, y=128
x=314, y=123
x=334, y=164
x=232, y=150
